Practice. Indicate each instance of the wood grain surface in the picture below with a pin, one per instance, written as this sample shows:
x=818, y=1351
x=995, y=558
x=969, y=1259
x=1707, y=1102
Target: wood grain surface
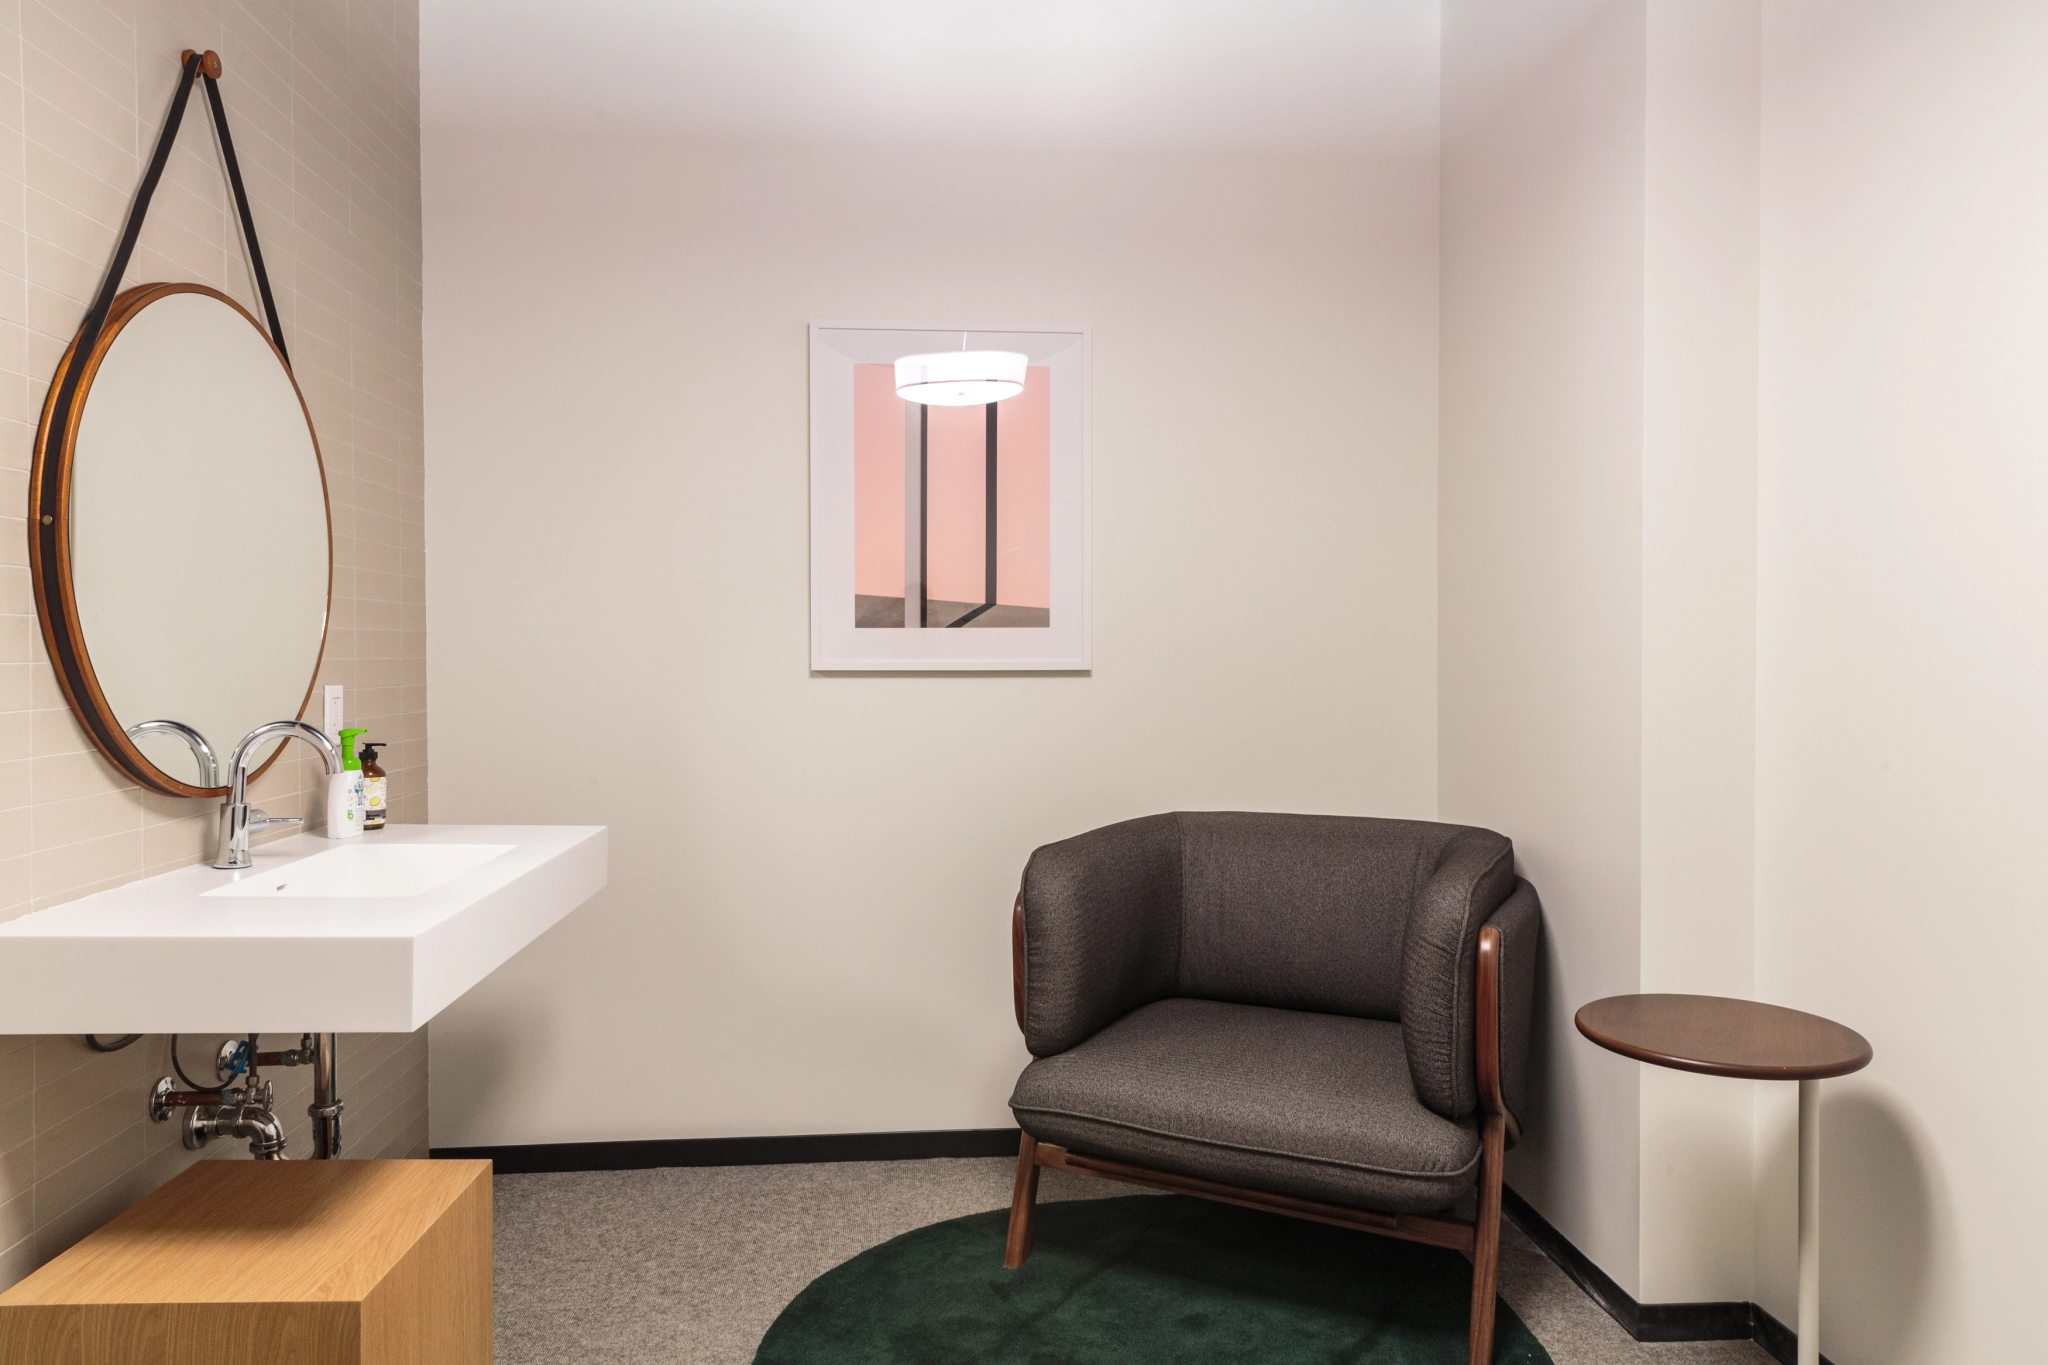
x=273, y=1263
x=1719, y=1036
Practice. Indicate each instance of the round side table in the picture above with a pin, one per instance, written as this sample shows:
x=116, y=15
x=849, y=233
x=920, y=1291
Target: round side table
x=1751, y=1041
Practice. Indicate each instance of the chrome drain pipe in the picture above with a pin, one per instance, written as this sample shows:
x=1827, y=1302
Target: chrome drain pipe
x=248, y=1111
x=325, y=1110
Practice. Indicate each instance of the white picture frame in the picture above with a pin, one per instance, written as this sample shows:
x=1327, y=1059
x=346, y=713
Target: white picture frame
x=838, y=644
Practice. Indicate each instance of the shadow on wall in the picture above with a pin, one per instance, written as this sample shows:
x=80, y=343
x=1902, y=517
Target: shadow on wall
x=1879, y=1224
x=1525, y=1163
x=493, y=1042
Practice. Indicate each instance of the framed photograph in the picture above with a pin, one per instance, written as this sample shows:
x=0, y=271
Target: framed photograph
x=949, y=497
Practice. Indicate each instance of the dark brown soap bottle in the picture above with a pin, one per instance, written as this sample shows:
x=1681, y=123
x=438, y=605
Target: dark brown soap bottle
x=375, y=788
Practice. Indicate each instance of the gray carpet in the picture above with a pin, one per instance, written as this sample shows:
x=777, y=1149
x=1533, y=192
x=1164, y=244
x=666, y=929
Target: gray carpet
x=689, y=1266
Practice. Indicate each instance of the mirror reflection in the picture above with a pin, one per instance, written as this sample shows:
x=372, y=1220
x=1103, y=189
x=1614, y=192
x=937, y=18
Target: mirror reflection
x=198, y=564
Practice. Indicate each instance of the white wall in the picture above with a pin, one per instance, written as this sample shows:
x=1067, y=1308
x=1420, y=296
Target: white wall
x=1831, y=507
x=1703, y=70
x=1598, y=571
x=1541, y=554
x=1745, y=318
x=806, y=928
x=1901, y=659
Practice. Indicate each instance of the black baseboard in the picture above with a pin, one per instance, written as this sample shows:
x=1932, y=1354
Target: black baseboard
x=543, y=1157
x=1774, y=1336
x=1725, y=1321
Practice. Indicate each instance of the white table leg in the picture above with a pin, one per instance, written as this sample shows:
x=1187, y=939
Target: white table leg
x=1809, y=1223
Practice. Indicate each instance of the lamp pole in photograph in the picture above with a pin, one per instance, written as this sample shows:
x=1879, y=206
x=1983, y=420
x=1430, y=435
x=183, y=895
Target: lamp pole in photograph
x=952, y=379
x=916, y=426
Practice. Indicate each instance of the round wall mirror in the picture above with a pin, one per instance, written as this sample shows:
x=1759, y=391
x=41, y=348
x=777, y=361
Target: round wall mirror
x=184, y=591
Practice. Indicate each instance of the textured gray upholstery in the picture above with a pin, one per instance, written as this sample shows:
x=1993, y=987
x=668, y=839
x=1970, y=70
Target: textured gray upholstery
x=1283, y=1002
x=1375, y=919
x=1314, y=1105
x=1101, y=929
x=1475, y=874
x=1304, y=912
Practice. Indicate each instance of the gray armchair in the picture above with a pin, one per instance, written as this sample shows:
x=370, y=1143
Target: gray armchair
x=1315, y=1015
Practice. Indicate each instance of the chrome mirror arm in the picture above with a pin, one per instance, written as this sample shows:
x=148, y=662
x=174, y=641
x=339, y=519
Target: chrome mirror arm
x=202, y=752
x=234, y=813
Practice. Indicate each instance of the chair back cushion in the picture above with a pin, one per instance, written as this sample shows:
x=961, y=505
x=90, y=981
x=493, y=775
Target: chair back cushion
x=1303, y=912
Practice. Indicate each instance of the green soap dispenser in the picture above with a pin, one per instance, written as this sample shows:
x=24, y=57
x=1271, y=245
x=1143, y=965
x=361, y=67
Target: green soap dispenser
x=345, y=806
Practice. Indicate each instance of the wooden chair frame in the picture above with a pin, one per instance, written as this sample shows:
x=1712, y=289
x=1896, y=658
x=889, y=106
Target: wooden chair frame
x=1479, y=1238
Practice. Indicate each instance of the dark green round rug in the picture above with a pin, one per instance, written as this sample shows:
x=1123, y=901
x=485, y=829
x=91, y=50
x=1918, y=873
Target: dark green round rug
x=1141, y=1280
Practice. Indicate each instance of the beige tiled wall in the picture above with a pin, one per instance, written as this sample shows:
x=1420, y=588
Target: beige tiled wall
x=323, y=102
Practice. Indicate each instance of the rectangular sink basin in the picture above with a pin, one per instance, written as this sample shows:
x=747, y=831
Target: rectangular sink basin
x=371, y=935
x=359, y=869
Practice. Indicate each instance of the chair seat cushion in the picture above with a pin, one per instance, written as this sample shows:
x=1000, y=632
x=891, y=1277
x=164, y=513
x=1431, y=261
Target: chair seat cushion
x=1319, y=1106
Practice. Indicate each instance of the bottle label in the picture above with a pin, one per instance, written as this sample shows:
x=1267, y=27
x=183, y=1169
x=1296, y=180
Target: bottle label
x=373, y=793
x=345, y=805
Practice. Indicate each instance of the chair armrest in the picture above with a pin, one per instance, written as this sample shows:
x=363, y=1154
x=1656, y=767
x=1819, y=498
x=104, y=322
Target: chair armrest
x=1519, y=922
x=1474, y=874
x=1096, y=930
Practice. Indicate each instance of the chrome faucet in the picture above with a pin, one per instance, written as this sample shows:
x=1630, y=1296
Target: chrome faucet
x=202, y=752
x=237, y=821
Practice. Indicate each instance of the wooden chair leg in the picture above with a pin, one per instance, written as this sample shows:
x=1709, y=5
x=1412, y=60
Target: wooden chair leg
x=1023, y=1199
x=1486, y=1238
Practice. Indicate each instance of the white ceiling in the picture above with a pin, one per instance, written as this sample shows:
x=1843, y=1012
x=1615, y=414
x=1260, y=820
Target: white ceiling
x=1192, y=73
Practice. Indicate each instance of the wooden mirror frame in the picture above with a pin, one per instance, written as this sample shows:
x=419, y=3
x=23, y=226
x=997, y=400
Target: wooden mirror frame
x=49, y=511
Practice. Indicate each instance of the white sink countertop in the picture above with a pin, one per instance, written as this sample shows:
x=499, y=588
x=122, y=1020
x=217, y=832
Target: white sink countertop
x=375, y=934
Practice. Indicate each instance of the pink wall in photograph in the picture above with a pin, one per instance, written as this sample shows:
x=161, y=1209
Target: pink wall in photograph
x=877, y=482
x=956, y=466
x=1024, y=493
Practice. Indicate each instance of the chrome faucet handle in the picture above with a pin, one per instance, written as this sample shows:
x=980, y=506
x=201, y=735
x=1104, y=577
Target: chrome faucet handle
x=260, y=821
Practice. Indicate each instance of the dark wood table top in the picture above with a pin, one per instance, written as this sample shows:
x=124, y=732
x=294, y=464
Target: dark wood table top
x=1720, y=1036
